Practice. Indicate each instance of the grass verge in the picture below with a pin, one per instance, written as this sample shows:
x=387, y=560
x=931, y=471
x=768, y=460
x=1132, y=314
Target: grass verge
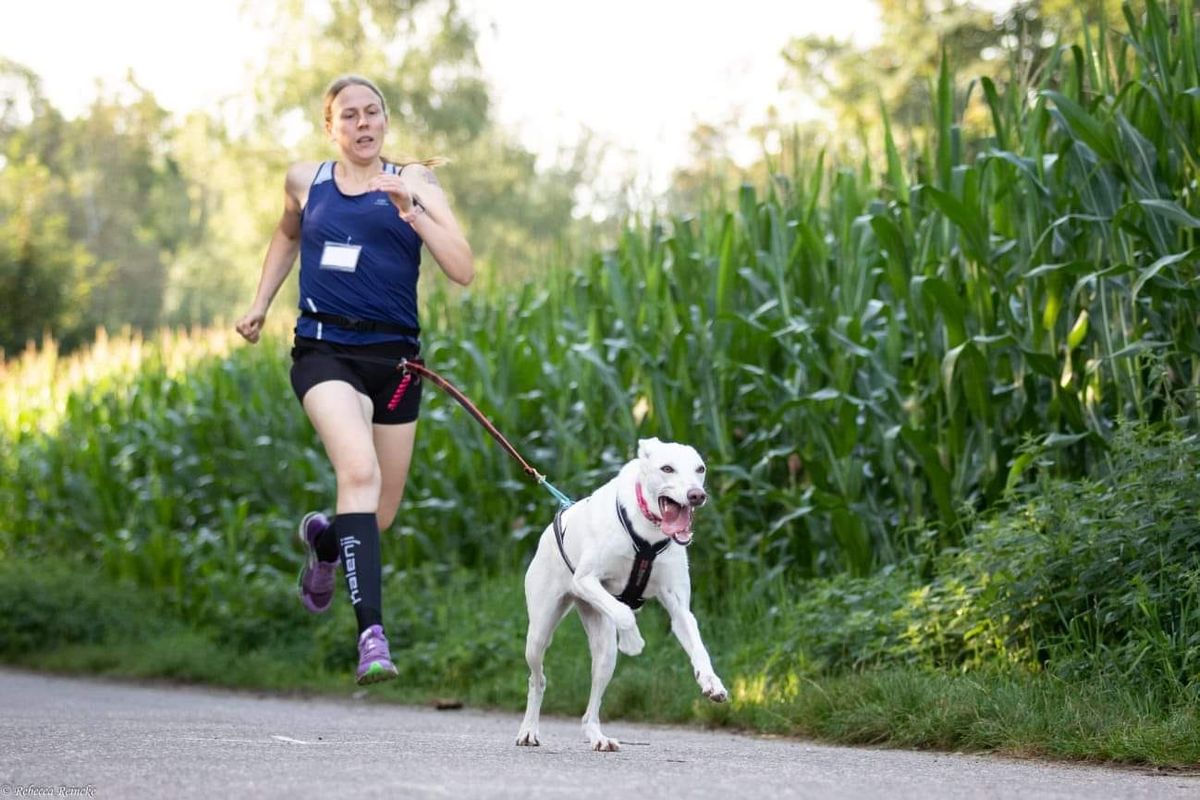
x=459, y=637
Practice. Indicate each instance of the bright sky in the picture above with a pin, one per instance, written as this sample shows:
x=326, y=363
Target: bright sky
x=640, y=73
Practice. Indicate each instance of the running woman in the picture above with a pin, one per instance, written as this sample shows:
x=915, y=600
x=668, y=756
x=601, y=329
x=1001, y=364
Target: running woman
x=358, y=224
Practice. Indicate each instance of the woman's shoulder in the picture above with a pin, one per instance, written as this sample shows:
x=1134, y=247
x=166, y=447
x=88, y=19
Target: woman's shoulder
x=301, y=173
x=300, y=176
x=303, y=169
x=419, y=177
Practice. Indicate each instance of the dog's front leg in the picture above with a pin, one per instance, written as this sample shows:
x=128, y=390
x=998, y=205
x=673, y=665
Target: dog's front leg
x=589, y=588
x=683, y=625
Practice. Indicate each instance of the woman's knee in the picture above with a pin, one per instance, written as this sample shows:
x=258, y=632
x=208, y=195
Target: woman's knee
x=359, y=477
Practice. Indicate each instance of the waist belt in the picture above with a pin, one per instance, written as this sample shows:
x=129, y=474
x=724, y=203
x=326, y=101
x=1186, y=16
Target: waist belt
x=361, y=325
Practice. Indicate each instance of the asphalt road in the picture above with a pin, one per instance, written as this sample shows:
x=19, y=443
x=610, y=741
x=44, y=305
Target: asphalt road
x=66, y=737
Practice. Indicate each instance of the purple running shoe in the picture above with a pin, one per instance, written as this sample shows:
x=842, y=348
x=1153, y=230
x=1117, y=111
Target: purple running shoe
x=374, y=661
x=317, y=578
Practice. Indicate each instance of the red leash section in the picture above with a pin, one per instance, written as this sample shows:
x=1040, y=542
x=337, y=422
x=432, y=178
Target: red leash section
x=416, y=366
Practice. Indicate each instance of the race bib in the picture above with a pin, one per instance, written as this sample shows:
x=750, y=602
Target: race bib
x=340, y=257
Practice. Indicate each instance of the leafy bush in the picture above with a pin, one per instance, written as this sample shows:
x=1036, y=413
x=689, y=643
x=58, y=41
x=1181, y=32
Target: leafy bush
x=1079, y=578
x=51, y=604
x=1099, y=575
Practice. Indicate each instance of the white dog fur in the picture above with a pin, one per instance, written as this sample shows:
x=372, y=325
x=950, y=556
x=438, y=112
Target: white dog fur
x=671, y=478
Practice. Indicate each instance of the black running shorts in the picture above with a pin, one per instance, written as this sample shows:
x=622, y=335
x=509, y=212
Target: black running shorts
x=369, y=368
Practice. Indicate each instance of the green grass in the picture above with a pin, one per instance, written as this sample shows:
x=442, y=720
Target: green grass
x=1001, y=713
x=457, y=637
x=1064, y=626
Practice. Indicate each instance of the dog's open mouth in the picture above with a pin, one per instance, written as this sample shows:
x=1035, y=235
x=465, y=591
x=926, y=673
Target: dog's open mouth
x=676, y=520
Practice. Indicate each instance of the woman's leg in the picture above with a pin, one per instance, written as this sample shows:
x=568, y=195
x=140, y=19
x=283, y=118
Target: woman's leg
x=393, y=449
x=342, y=418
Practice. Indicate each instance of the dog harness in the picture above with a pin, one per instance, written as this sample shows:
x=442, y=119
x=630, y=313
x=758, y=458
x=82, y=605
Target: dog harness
x=643, y=559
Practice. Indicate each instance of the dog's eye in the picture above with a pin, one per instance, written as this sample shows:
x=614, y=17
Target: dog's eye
x=668, y=468
x=700, y=470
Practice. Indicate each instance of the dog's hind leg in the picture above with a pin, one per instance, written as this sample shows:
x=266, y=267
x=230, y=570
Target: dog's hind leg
x=544, y=616
x=602, y=640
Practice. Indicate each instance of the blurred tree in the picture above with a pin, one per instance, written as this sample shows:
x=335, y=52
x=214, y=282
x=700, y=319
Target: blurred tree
x=705, y=179
x=849, y=82
x=43, y=281
x=899, y=70
x=130, y=204
x=712, y=176
x=236, y=199
x=102, y=194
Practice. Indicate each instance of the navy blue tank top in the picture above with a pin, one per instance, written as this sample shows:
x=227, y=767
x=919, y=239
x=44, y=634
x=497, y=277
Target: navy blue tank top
x=358, y=259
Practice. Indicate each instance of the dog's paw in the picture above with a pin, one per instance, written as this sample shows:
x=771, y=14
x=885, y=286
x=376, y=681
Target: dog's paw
x=712, y=688
x=624, y=618
x=527, y=739
x=630, y=642
x=603, y=744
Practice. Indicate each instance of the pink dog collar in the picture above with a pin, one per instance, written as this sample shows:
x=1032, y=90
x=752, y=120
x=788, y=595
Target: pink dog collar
x=641, y=498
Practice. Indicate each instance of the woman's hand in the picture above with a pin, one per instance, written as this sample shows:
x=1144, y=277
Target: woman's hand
x=250, y=325
x=439, y=229
x=397, y=191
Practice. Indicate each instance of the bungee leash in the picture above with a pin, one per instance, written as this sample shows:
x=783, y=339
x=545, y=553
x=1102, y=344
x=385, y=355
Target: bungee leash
x=416, y=366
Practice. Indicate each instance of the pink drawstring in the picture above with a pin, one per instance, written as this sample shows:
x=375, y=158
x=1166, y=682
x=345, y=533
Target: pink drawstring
x=404, y=382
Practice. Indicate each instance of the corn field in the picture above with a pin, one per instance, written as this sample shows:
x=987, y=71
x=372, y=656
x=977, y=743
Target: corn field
x=863, y=353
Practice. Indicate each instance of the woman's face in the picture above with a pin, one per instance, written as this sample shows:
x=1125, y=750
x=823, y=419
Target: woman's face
x=358, y=123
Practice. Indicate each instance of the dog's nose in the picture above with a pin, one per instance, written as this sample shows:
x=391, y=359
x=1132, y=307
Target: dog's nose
x=696, y=496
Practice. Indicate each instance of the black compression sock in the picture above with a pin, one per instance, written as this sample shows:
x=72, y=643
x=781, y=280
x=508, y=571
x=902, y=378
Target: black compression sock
x=326, y=545
x=358, y=537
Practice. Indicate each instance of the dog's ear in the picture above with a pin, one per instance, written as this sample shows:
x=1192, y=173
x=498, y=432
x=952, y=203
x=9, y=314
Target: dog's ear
x=644, y=446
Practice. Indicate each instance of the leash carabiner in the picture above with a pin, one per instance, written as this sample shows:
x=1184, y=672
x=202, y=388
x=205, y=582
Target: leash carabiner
x=563, y=501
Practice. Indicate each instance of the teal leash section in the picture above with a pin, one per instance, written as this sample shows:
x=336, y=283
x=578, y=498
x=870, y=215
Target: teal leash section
x=563, y=501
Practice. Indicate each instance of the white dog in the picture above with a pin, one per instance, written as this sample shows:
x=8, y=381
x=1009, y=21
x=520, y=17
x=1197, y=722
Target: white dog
x=626, y=539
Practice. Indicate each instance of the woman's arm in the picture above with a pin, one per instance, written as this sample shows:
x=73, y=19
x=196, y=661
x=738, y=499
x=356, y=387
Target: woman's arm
x=281, y=252
x=423, y=204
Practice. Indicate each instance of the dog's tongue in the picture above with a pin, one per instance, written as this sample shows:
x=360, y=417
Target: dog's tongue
x=676, y=521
